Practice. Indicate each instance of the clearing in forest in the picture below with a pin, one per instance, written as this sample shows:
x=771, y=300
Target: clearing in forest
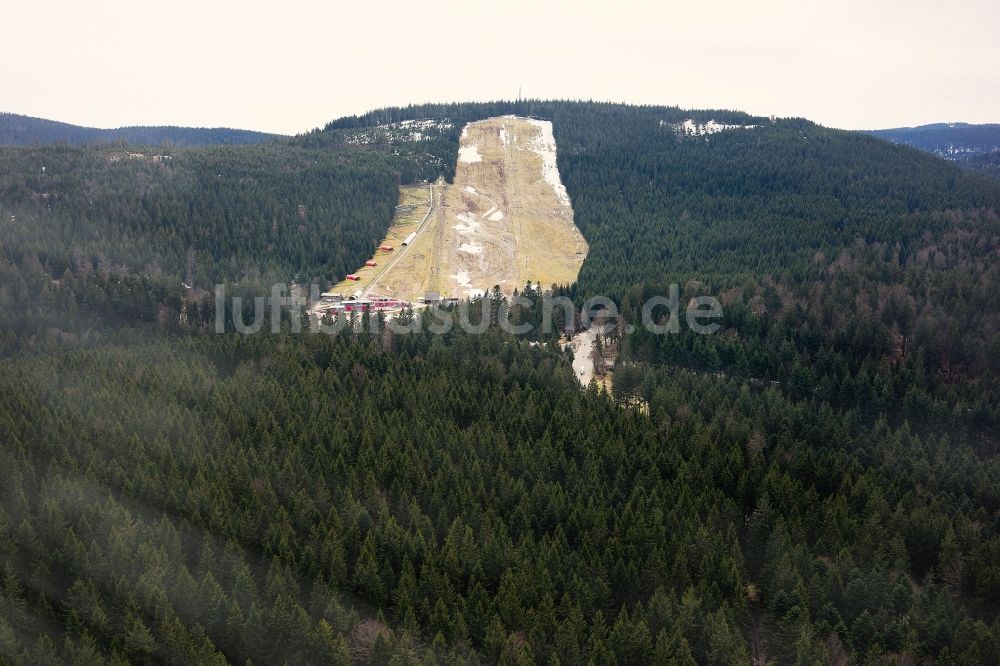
x=506, y=220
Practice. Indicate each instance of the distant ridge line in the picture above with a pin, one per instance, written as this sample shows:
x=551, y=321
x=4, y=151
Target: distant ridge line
x=21, y=130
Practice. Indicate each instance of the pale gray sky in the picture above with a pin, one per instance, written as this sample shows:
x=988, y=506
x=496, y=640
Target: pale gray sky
x=290, y=66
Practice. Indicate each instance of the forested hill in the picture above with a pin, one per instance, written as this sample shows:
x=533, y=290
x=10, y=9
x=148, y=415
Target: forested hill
x=18, y=130
x=859, y=255
x=817, y=483
x=988, y=164
x=973, y=147
x=766, y=198
x=97, y=235
x=953, y=141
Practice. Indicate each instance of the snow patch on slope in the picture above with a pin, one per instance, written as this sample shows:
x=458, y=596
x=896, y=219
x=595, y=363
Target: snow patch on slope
x=469, y=223
x=690, y=128
x=469, y=154
x=463, y=281
x=544, y=145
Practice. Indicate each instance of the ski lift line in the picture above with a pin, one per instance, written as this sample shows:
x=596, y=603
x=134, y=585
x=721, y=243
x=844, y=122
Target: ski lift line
x=403, y=250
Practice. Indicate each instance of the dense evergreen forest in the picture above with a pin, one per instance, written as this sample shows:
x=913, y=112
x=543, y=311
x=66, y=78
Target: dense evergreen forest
x=210, y=215
x=91, y=235
x=816, y=483
x=988, y=164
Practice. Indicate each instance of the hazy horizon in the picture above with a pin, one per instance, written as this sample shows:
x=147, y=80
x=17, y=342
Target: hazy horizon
x=290, y=69
x=233, y=127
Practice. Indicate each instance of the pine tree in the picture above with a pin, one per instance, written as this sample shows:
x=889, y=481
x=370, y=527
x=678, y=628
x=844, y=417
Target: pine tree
x=366, y=571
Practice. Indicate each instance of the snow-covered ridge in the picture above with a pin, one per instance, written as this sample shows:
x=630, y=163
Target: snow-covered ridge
x=544, y=145
x=690, y=128
x=404, y=130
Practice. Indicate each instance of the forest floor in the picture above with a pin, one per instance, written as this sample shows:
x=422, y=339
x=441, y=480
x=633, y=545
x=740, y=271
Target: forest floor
x=505, y=220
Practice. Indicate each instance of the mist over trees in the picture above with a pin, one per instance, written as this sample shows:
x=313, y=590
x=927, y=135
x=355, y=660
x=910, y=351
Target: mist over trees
x=816, y=483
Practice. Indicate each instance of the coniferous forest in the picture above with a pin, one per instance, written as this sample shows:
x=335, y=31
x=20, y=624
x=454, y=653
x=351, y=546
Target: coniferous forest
x=816, y=483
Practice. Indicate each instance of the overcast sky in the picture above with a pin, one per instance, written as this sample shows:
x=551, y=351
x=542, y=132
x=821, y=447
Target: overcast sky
x=290, y=66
